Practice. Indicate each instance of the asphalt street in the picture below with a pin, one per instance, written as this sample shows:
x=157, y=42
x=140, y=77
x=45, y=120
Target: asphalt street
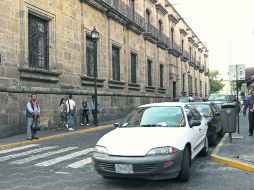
x=64, y=163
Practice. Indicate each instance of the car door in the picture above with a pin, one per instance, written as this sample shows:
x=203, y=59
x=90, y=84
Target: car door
x=217, y=116
x=198, y=133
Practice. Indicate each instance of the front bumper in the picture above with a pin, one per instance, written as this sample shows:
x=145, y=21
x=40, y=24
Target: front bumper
x=147, y=167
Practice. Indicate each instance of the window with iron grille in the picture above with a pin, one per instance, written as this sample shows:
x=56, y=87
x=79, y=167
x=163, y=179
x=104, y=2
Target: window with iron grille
x=38, y=42
x=161, y=76
x=90, y=56
x=183, y=82
x=200, y=86
x=116, y=63
x=149, y=72
x=133, y=68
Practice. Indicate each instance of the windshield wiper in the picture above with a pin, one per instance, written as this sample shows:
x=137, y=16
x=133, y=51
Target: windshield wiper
x=153, y=125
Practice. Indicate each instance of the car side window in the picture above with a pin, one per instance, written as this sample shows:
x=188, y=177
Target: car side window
x=192, y=113
x=197, y=115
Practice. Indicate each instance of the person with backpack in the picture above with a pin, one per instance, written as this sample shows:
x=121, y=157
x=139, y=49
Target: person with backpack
x=32, y=114
x=85, y=112
x=70, y=104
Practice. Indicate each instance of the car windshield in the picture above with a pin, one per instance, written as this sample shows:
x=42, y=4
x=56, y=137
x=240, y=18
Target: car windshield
x=218, y=97
x=155, y=117
x=203, y=108
x=183, y=99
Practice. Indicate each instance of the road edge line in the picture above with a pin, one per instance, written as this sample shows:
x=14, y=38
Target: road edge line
x=82, y=131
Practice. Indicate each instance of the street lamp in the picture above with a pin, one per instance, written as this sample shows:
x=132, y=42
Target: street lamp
x=95, y=37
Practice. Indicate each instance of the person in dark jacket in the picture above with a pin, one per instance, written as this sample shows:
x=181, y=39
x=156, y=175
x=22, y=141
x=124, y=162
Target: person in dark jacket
x=32, y=114
x=249, y=104
x=85, y=112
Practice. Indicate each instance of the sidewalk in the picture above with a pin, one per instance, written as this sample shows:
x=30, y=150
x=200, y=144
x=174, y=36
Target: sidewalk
x=53, y=133
x=239, y=153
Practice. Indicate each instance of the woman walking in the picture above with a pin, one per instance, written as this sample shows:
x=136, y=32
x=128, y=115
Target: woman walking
x=62, y=113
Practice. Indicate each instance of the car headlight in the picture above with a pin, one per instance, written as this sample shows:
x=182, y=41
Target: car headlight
x=100, y=149
x=162, y=150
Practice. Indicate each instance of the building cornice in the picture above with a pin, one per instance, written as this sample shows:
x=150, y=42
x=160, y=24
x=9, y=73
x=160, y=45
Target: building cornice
x=182, y=31
x=161, y=9
x=191, y=39
x=153, y=1
x=172, y=18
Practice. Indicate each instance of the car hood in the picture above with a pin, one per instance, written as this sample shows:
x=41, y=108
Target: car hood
x=139, y=140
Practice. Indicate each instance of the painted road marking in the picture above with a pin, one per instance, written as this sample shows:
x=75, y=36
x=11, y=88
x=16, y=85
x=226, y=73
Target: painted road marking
x=17, y=148
x=62, y=158
x=4, y=146
x=32, y=158
x=80, y=163
x=4, y=158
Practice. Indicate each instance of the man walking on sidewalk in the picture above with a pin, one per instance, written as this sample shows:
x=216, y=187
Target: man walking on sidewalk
x=250, y=104
x=70, y=104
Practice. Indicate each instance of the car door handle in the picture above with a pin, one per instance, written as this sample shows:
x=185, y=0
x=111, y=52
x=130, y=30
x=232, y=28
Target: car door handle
x=199, y=129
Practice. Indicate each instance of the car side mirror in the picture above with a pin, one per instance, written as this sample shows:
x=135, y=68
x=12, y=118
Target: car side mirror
x=116, y=124
x=204, y=114
x=217, y=113
x=194, y=123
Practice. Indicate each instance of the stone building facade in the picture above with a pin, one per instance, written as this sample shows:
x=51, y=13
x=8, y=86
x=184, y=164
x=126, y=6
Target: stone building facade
x=146, y=53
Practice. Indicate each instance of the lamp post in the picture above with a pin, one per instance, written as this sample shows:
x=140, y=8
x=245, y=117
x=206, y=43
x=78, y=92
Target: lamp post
x=95, y=37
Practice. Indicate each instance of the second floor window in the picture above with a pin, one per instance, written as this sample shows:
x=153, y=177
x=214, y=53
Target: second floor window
x=38, y=42
x=115, y=63
x=90, y=56
x=149, y=72
x=133, y=68
x=183, y=82
x=161, y=76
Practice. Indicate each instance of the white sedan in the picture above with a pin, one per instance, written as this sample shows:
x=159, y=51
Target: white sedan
x=154, y=141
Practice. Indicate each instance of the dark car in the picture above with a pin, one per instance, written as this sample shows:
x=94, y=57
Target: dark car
x=211, y=112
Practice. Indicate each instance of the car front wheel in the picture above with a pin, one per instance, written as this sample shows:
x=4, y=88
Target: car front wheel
x=185, y=168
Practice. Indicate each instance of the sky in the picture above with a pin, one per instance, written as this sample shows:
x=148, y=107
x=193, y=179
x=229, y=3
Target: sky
x=225, y=26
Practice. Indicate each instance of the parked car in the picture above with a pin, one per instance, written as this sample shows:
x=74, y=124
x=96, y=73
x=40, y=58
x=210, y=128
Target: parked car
x=211, y=112
x=220, y=99
x=154, y=141
x=185, y=99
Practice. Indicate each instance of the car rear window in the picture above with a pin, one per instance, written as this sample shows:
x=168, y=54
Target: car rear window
x=159, y=116
x=218, y=97
x=203, y=108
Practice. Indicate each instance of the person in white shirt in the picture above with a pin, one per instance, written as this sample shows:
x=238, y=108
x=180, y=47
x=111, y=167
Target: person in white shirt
x=70, y=104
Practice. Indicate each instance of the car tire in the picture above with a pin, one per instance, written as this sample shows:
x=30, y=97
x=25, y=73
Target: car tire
x=184, y=173
x=204, y=151
x=213, y=138
x=221, y=133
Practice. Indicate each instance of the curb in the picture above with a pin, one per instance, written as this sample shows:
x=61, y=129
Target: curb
x=228, y=161
x=25, y=142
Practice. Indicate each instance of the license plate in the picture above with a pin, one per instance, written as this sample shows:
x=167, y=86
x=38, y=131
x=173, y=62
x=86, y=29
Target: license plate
x=124, y=168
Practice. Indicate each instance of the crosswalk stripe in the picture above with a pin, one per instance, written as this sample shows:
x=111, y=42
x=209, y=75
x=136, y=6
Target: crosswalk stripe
x=26, y=153
x=80, y=163
x=17, y=148
x=66, y=157
x=29, y=159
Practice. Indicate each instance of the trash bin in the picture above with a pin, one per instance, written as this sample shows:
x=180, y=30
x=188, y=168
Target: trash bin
x=229, y=114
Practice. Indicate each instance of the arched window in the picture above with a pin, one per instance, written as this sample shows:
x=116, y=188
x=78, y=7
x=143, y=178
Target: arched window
x=160, y=27
x=182, y=46
x=172, y=35
x=132, y=7
x=148, y=15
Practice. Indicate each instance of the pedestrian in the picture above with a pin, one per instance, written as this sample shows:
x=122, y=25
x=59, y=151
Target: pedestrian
x=85, y=112
x=32, y=114
x=62, y=113
x=92, y=108
x=250, y=104
x=70, y=104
